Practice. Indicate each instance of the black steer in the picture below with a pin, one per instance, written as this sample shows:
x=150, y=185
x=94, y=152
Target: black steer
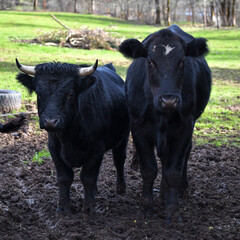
x=85, y=113
x=167, y=88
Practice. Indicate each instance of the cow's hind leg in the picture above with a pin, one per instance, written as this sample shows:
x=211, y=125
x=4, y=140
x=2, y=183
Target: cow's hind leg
x=148, y=168
x=119, y=156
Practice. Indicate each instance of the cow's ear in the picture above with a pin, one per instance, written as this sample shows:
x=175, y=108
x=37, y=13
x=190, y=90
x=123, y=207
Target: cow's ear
x=26, y=81
x=197, y=47
x=133, y=48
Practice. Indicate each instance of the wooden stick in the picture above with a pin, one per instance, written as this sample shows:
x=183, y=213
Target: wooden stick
x=60, y=22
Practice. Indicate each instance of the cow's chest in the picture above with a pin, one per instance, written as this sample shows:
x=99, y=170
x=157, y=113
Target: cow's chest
x=74, y=154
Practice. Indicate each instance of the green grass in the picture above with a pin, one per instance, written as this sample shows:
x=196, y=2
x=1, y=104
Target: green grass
x=221, y=120
x=41, y=156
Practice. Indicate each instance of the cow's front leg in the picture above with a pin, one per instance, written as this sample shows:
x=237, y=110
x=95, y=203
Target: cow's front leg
x=175, y=174
x=148, y=168
x=89, y=175
x=65, y=177
x=161, y=137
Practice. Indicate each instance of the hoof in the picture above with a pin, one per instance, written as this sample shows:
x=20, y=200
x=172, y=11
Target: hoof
x=121, y=188
x=89, y=208
x=64, y=210
x=146, y=214
x=173, y=214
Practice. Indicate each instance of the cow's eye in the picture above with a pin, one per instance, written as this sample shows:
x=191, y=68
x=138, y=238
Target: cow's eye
x=151, y=63
x=69, y=96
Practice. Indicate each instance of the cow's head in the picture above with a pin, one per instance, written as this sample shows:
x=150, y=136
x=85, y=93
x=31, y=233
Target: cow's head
x=165, y=54
x=57, y=86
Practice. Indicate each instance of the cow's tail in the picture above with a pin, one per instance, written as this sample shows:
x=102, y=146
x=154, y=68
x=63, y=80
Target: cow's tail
x=14, y=125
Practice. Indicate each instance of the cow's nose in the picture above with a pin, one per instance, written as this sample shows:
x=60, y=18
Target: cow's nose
x=169, y=102
x=51, y=123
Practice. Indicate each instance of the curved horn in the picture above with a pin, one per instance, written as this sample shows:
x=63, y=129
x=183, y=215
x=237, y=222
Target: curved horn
x=26, y=69
x=84, y=71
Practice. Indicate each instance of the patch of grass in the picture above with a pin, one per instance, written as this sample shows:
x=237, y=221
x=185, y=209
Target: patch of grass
x=219, y=123
x=41, y=156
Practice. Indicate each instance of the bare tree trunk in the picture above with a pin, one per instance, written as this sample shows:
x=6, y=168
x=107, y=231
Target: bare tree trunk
x=35, y=2
x=205, y=13
x=75, y=6
x=139, y=12
x=90, y=6
x=174, y=10
x=192, y=7
x=168, y=13
x=164, y=14
x=44, y=5
x=217, y=13
x=227, y=12
x=233, y=13
x=158, y=13
x=231, y=18
x=61, y=5
x=212, y=12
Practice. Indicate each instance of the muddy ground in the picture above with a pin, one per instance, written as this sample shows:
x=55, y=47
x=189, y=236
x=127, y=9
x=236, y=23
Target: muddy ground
x=28, y=197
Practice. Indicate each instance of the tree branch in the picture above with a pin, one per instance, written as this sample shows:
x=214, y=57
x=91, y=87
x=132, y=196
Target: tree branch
x=61, y=23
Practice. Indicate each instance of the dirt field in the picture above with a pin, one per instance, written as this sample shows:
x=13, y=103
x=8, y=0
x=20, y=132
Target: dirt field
x=28, y=198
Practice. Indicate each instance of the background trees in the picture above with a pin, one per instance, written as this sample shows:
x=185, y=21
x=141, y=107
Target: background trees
x=219, y=13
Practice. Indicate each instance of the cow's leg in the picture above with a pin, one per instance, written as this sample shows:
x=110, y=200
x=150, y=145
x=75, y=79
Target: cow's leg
x=173, y=169
x=65, y=177
x=119, y=156
x=148, y=168
x=89, y=175
x=134, y=160
x=184, y=179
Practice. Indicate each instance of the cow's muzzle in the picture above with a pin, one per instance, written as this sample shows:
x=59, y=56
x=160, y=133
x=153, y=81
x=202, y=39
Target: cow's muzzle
x=169, y=102
x=51, y=124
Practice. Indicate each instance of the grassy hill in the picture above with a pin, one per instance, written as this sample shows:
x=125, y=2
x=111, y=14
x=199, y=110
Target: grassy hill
x=221, y=120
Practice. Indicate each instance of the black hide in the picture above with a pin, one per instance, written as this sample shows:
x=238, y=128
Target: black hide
x=166, y=91
x=84, y=117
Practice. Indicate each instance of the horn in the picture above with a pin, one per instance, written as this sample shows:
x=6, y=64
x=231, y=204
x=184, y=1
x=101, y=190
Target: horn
x=84, y=71
x=26, y=69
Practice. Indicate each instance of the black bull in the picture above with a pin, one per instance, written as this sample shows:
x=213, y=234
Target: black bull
x=85, y=113
x=167, y=88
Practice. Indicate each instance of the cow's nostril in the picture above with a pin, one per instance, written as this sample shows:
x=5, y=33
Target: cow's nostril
x=169, y=102
x=51, y=122
x=55, y=121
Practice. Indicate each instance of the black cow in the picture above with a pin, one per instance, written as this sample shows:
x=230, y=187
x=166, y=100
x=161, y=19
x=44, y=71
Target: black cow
x=85, y=113
x=13, y=125
x=167, y=88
